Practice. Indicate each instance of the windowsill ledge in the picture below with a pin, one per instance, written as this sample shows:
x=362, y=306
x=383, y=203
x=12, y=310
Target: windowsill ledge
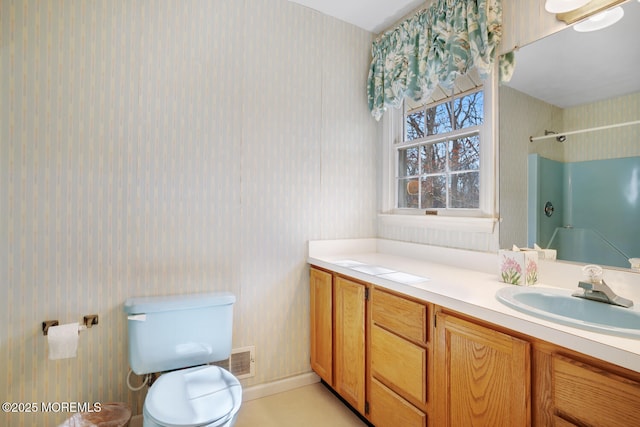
x=468, y=224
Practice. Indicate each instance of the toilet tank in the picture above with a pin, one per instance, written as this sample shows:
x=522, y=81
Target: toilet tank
x=178, y=331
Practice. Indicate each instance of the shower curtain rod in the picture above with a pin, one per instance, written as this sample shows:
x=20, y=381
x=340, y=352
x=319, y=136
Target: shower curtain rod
x=573, y=132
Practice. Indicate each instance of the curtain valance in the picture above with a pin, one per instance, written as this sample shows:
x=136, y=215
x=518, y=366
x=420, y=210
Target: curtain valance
x=432, y=48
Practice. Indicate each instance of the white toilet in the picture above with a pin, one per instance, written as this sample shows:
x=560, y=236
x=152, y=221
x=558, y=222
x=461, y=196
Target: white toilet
x=181, y=334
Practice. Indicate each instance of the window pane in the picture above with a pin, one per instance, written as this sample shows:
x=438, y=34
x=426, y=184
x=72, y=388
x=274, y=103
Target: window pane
x=434, y=192
x=443, y=170
x=465, y=190
x=408, y=162
x=464, y=153
x=439, y=119
x=414, y=127
x=434, y=157
x=408, y=196
x=469, y=110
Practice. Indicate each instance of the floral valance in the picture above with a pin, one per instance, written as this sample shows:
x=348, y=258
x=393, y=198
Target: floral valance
x=432, y=48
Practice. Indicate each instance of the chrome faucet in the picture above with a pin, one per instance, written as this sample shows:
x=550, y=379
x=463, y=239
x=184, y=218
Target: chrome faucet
x=597, y=290
x=601, y=292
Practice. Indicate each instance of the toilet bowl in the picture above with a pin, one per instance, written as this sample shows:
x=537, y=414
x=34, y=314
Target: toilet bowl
x=211, y=397
x=180, y=335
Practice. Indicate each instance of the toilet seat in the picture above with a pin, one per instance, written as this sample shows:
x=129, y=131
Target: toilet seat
x=200, y=396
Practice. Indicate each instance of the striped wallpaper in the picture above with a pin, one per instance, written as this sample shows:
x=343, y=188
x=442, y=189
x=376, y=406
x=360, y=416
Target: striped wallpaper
x=605, y=144
x=525, y=21
x=160, y=147
x=520, y=117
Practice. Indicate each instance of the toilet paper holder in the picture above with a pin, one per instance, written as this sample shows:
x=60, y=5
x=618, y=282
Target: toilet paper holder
x=89, y=320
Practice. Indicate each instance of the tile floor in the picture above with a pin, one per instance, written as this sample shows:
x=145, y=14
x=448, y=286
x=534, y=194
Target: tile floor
x=309, y=406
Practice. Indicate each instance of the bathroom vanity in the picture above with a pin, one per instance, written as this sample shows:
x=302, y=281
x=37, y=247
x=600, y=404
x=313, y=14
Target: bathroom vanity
x=413, y=335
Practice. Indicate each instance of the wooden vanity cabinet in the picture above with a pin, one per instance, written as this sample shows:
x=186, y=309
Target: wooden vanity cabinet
x=338, y=315
x=321, y=308
x=483, y=376
x=571, y=389
x=492, y=376
x=399, y=360
x=349, y=340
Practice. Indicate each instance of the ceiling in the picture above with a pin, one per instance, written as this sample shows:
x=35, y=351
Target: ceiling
x=372, y=15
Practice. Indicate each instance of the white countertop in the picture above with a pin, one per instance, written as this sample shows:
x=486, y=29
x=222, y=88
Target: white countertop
x=466, y=281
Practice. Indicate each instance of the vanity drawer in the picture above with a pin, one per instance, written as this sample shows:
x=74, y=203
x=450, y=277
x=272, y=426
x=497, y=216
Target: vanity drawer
x=400, y=315
x=587, y=395
x=387, y=409
x=399, y=364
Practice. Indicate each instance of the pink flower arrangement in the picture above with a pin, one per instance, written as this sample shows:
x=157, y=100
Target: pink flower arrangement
x=510, y=270
x=531, y=272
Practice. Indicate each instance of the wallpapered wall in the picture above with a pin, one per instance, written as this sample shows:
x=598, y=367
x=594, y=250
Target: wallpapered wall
x=612, y=143
x=160, y=147
x=532, y=116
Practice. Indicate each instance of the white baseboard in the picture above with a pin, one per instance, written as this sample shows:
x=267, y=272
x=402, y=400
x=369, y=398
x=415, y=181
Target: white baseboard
x=279, y=386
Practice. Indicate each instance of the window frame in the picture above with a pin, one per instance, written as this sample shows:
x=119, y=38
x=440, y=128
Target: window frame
x=482, y=219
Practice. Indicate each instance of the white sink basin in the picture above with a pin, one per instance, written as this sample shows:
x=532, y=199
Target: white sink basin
x=558, y=305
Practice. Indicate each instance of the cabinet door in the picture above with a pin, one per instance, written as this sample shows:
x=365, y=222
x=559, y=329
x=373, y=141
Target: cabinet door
x=321, y=324
x=349, y=352
x=482, y=376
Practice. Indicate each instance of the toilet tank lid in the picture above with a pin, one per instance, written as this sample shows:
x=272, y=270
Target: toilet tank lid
x=141, y=305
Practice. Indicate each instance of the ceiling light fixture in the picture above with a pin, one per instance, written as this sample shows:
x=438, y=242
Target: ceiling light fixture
x=600, y=20
x=561, y=6
x=590, y=9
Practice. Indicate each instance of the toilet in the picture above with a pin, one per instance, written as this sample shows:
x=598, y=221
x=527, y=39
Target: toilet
x=178, y=336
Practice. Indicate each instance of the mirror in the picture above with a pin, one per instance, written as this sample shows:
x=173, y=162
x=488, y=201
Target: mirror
x=566, y=83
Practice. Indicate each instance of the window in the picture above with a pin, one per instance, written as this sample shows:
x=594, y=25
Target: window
x=440, y=156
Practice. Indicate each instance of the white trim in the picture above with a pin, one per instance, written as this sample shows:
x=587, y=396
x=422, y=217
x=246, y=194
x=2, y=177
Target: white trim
x=391, y=123
x=460, y=223
x=279, y=386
